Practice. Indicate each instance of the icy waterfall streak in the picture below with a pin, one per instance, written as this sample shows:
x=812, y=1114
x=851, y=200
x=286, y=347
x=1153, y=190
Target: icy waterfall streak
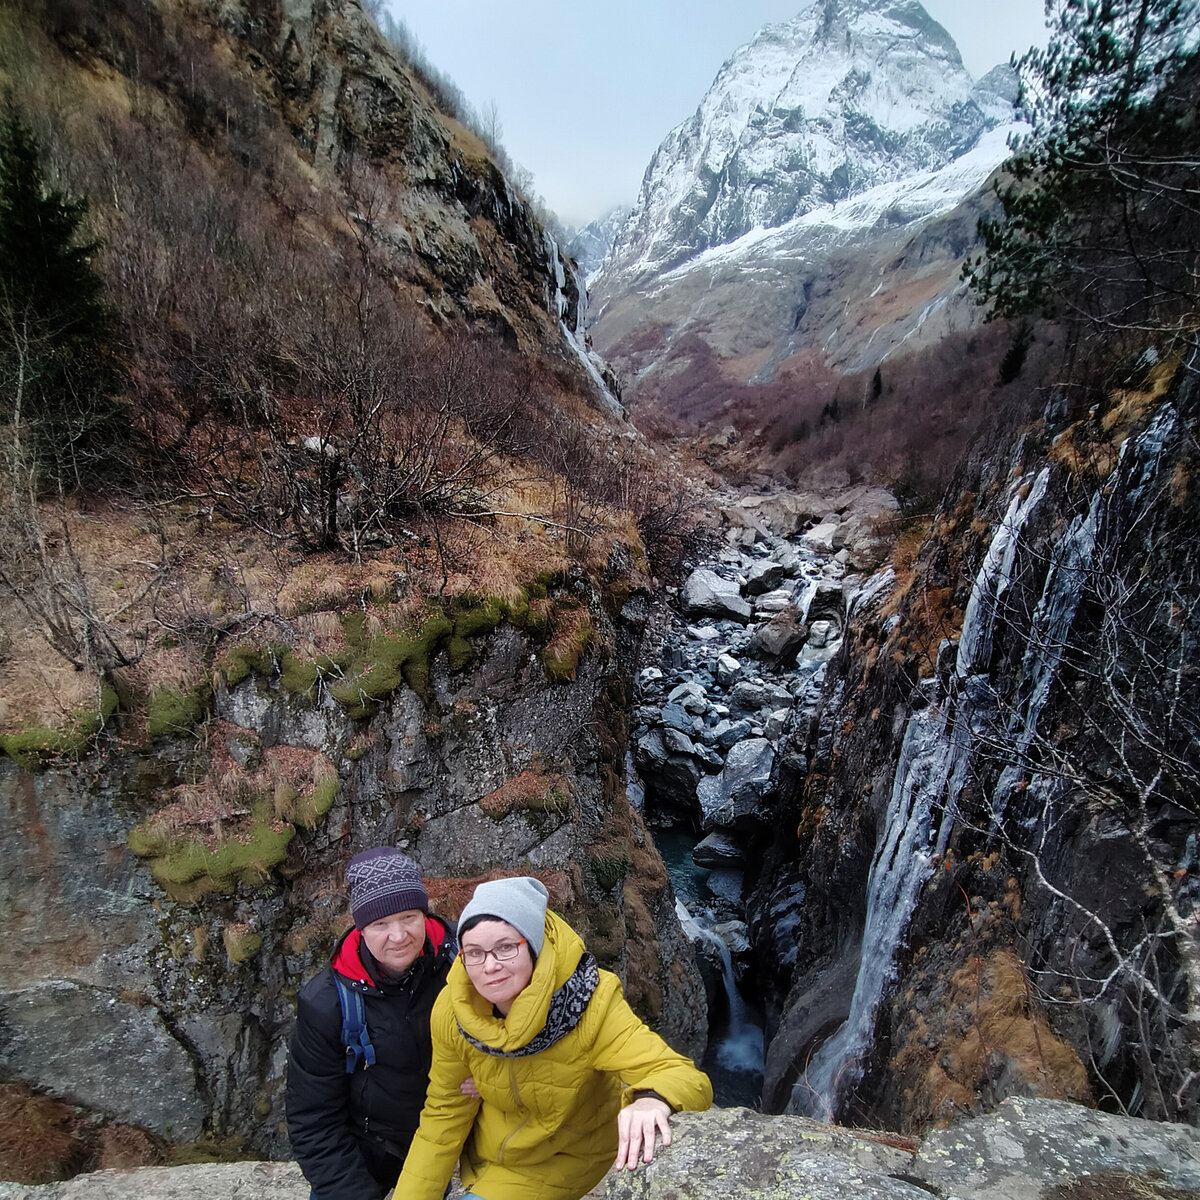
x=929, y=776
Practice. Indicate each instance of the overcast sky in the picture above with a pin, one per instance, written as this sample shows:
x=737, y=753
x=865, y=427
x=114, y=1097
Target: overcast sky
x=586, y=91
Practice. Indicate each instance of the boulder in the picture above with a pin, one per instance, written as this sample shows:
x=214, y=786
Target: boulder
x=734, y=1153
x=102, y=1049
x=1025, y=1150
x=752, y=696
x=820, y=537
x=782, y=637
x=821, y=633
x=707, y=594
x=689, y=696
x=726, y=734
x=773, y=602
x=673, y=777
x=728, y=668
x=678, y=743
x=199, y=1181
x=764, y=577
x=675, y=716
x=718, y=850
x=1028, y=1149
x=734, y=934
x=734, y=798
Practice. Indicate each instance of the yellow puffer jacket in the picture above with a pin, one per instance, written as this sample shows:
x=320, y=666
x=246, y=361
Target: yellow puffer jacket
x=545, y=1125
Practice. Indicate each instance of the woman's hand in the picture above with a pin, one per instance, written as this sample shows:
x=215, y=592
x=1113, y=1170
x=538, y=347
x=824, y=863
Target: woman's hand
x=636, y=1124
x=468, y=1088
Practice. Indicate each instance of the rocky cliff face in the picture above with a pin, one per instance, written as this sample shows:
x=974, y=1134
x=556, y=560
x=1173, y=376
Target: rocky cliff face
x=336, y=136
x=987, y=871
x=810, y=207
x=961, y=788
x=156, y=990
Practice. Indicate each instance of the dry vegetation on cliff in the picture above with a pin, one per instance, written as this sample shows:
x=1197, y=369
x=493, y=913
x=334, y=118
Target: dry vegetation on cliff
x=343, y=384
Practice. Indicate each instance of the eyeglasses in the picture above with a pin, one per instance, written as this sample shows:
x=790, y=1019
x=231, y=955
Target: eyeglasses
x=473, y=956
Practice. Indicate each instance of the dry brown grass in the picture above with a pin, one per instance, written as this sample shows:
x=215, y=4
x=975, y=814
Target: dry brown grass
x=40, y=1138
x=990, y=1011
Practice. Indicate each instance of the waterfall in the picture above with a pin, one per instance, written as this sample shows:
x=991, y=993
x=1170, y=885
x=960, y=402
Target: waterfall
x=930, y=765
x=735, y=1056
x=1052, y=620
x=975, y=644
x=935, y=756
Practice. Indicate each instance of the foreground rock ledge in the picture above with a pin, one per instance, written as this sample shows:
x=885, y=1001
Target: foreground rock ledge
x=1026, y=1150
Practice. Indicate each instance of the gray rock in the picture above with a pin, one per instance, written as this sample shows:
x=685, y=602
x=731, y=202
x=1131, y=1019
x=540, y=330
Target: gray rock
x=727, y=734
x=727, y=1154
x=776, y=724
x=751, y=696
x=821, y=633
x=734, y=798
x=782, y=637
x=728, y=668
x=764, y=577
x=689, y=696
x=773, y=602
x=206, y=1181
x=1027, y=1147
x=673, y=777
x=820, y=537
x=709, y=757
x=703, y=633
x=717, y=850
x=707, y=594
x=676, y=717
x=91, y=1046
x=735, y=935
x=678, y=743
x=1026, y=1150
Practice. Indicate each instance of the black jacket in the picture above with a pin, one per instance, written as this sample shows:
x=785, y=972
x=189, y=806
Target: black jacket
x=350, y=1133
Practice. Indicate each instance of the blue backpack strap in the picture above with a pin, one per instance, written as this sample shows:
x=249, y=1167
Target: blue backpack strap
x=355, y=1037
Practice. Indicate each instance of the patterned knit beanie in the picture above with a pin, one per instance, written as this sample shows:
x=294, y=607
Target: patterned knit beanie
x=521, y=902
x=382, y=882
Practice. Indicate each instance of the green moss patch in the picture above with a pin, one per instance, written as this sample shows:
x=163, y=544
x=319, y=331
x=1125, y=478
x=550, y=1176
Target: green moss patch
x=31, y=748
x=191, y=862
x=242, y=943
x=387, y=662
x=171, y=712
x=610, y=869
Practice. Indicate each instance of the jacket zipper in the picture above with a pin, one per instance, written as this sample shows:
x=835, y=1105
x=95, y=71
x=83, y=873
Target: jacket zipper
x=516, y=1091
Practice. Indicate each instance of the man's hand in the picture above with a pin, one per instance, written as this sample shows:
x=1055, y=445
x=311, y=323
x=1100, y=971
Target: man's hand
x=636, y=1124
x=468, y=1088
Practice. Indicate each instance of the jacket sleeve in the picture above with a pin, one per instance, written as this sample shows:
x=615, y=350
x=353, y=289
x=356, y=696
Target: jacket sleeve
x=447, y=1117
x=626, y=1047
x=318, y=1106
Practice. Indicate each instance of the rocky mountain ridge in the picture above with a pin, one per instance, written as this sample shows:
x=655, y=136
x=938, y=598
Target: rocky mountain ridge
x=849, y=96
x=811, y=216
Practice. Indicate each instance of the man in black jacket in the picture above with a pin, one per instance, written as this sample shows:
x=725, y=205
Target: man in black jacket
x=351, y=1125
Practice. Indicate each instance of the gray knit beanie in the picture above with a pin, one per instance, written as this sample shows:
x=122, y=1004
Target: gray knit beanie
x=521, y=902
x=382, y=882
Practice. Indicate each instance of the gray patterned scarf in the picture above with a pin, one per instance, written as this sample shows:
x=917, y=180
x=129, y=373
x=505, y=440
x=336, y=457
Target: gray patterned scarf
x=565, y=1012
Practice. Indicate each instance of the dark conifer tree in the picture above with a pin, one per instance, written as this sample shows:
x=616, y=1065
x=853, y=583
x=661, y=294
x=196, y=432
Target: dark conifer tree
x=1099, y=214
x=58, y=369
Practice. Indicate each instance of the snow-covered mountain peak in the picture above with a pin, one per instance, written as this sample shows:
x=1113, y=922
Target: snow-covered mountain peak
x=846, y=96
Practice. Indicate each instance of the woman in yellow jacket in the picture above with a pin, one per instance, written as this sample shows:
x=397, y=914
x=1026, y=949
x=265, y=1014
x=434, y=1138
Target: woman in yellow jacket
x=569, y=1080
